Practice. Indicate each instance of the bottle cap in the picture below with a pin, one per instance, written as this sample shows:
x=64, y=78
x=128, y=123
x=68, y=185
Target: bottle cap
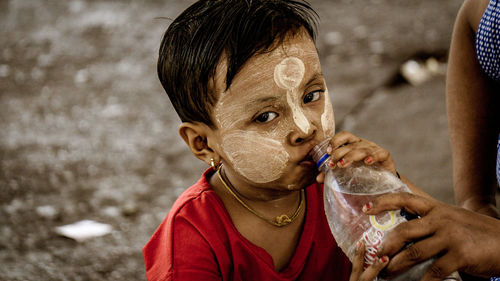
x=319, y=154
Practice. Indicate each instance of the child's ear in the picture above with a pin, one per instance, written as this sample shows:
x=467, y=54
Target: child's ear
x=196, y=135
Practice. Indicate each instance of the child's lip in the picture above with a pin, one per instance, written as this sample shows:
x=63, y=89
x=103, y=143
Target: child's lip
x=307, y=161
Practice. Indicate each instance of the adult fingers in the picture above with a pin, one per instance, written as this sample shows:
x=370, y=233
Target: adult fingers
x=442, y=267
x=415, y=254
x=410, y=202
x=403, y=234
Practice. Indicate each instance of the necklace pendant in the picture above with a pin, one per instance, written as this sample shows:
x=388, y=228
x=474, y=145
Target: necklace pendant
x=283, y=220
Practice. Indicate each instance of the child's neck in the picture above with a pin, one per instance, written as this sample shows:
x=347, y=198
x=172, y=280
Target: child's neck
x=257, y=194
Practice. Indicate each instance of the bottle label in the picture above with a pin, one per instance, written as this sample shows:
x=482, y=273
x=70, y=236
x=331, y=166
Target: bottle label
x=373, y=239
x=373, y=236
x=386, y=223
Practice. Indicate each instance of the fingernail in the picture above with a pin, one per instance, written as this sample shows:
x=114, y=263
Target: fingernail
x=368, y=160
x=342, y=162
x=331, y=164
x=329, y=150
x=358, y=246
x=384, y=259
x=367, y=207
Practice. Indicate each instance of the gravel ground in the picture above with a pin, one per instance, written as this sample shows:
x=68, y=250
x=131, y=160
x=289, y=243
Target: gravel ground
x=86, y=131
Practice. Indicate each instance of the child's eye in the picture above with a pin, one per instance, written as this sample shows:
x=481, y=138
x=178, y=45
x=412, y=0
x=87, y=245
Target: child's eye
x=312, y=96
x=266, y=117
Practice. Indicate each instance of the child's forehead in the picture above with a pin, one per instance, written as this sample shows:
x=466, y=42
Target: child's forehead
x=258, y=71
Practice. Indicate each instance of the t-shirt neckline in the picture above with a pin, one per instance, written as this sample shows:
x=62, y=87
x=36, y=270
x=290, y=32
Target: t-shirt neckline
x=305, y=240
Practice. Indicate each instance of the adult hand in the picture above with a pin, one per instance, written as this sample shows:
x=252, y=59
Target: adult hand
x=460, y=239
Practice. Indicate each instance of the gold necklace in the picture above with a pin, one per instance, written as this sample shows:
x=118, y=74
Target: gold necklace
x=280, y=220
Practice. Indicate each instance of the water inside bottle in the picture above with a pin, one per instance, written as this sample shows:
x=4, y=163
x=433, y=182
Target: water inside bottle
x=350, y=206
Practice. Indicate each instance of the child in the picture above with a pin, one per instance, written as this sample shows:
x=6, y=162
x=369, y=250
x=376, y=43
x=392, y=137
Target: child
x=245, y=78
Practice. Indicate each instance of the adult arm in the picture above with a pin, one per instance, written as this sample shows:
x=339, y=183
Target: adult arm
x=462, y=240
x=471, y=105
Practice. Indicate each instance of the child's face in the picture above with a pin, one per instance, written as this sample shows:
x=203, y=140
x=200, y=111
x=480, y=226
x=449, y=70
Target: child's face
x=275, y=111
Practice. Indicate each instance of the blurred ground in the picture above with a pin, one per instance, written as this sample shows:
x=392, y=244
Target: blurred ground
x=86, y=131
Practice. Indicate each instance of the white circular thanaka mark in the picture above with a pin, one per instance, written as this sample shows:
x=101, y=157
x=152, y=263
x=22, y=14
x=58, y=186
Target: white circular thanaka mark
x=289, y=73
x=257, y=158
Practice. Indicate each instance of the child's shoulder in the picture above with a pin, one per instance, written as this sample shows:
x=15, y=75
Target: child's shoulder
x=198, y=196
x=192, y=217
x=193, y=209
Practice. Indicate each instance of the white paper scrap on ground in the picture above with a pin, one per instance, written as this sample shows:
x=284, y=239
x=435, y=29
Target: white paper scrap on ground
x=84, y=230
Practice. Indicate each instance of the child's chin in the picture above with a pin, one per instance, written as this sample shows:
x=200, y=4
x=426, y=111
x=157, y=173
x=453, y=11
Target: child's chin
x=302, y=180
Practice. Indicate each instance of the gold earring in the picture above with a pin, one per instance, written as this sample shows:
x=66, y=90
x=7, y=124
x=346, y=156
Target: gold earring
x=212, y=164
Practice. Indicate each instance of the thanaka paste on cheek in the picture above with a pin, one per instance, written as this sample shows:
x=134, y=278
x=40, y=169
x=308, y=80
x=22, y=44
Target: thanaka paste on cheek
x=259, y=159
x=288, y=75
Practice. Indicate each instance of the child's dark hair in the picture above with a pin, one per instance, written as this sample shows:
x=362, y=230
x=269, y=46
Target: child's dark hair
x=193, y=44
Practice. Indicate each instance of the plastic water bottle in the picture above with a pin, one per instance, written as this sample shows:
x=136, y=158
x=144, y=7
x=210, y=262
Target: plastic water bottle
x=346, y=191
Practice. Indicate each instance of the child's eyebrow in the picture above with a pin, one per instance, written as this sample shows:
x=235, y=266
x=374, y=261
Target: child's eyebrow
x=315, y=77
x=262, y=100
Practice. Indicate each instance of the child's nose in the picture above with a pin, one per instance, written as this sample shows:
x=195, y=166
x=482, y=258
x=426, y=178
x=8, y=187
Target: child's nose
x=297, y=136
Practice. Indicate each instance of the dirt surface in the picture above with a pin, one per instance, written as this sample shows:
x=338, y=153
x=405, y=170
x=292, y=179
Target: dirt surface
x=86, y=131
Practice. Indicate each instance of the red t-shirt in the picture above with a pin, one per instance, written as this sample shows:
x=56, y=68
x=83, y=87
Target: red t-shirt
x=198, y=241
